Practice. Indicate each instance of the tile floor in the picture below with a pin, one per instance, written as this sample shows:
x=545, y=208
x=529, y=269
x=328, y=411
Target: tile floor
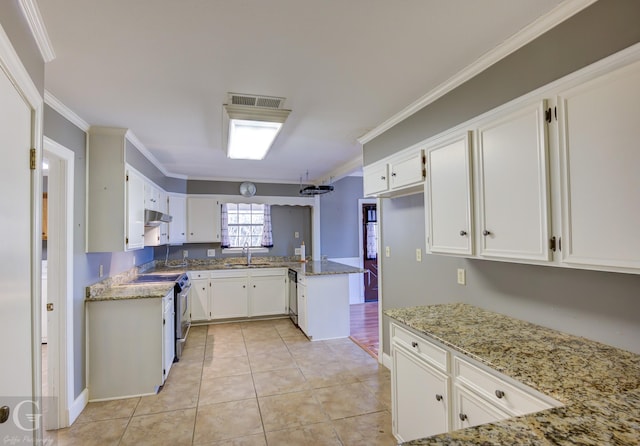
x=251, y=383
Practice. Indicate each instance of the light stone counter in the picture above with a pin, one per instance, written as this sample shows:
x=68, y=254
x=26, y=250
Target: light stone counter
x=599, y=384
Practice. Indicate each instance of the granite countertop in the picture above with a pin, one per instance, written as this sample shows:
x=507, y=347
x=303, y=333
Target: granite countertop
x=599, y=384
x=118, y=287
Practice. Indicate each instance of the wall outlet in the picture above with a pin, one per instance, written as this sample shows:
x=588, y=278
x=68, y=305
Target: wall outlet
x=185, y=253
x=296, y=251
x=296, y=234
x=211, y=252
x=462, y=280
x=387, y=251
x=418, y=255
x=101, y=271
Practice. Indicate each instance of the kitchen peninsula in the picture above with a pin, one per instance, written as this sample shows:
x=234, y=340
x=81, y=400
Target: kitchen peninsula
x=597, y=386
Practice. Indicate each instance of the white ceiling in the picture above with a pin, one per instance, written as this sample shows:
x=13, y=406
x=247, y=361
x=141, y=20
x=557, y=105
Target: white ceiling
x=163, y=68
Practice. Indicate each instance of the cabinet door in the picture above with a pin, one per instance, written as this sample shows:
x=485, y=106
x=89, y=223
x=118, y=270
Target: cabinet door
x=267, y=295
x=200, y=300
x=375, y=179
x=302, y=308
x=168, y=335
x=471, y=410
x=152, y=197
x=407, y=171
x=600, y=180
x=229, y=298
x=135, y=211
x=203, y=220
x=420, y=397
x=178, y=212
x=513, y=192
x=449, y=197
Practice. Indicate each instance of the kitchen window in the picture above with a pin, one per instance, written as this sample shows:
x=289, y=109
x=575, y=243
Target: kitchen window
x=246, y=224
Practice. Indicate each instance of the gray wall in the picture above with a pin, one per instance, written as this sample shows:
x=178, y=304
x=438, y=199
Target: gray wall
x=19, y=34
x=597, y=305
x=339, y=219
x=85, y=266
x=233, y=187
x=286, y=220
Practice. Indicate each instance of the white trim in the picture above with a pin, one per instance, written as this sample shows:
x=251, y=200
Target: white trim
x=380, y=296
x=12, y=65
x=344, y=170
x=241, y=179
x=535, y=29
x=38, y=29
x=133, y=139
x=386, y=360
x=362, y=201
x=65, y=111
x=78, y=405
x=315, y=229
x=61, y=281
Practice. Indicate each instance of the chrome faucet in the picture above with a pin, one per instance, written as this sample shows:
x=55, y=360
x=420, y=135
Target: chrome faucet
x=246, y=246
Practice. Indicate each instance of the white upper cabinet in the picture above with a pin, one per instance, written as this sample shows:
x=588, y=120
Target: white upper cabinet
x=448, y=196
x=178, y=225
x=109, y=199
x=135, y=210
x=407, y=170
x=152, y=197
x=375, y=179
x=400, y=174
x=512, y=185
x=203, y=220
x=600, y=157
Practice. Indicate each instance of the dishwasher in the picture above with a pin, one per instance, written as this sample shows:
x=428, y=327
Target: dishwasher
x=293, y=296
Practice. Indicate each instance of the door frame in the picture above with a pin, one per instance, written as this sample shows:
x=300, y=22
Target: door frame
x=12, y=65
x=60, y=283
x=362, y=201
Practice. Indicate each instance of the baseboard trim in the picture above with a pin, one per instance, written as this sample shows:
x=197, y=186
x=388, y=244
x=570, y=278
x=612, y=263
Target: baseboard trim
x=78, y=405
x=386, y=360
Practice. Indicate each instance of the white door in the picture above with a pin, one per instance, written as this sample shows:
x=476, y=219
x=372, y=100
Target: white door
x=267, y=295
x=177, y=227
x=135, y=210
x=229, y=297
x=200, y=300
x=16, y=218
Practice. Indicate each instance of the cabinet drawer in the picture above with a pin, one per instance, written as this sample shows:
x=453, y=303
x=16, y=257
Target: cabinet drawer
x=266, y=272
x=228, y=273
x=194, y=275
x=420, y=346
x=502, y=394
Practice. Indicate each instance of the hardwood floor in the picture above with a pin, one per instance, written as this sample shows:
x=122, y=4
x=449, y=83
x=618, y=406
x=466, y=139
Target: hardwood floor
x=364, y=326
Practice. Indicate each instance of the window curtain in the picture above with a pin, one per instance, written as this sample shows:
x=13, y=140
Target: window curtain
x=372, y=241
x=224, y=227
x=267, y=236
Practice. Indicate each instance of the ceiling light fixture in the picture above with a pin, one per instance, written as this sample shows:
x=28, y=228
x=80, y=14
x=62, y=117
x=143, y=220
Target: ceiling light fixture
x=252, y=129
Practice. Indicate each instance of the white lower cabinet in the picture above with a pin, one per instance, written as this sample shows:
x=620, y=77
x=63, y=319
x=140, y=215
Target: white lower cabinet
x=435, y=389
x=420, y=397
x=238, y=293
x=323, y=306
x=302, y=307
x=130, y=346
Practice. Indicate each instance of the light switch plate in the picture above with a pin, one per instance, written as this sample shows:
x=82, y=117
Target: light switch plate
x=211, y=252
x=296, y=251
x=387, y=251
x=418, y=255
x=462, y=280
x=101, y=273
x=296, y=234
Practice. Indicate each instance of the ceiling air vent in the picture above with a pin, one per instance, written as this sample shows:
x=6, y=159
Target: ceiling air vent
x=256, y=101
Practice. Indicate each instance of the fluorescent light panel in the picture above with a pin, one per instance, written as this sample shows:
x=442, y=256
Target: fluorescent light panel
x=251, y=140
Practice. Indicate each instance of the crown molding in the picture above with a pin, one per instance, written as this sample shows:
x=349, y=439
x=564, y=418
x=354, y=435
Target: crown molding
x=343, y=170
x=65, y=111
x=38, y=29
x=535, y=29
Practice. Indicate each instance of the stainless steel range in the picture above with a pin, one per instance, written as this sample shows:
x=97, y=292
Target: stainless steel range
x=182, y=301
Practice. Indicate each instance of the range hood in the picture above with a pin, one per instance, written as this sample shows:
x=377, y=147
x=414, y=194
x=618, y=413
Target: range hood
x=155, y=218
x=316, y=190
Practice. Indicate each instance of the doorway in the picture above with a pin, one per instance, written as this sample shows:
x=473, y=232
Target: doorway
x=57, y=284
x=365, y=315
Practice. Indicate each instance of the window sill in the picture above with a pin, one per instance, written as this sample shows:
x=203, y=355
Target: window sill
x=241, y=250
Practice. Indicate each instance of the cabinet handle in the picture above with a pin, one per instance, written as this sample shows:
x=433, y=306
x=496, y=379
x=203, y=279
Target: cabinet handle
x=438, y=397
x=499, y=394
x=393, y=174
x=463, y=233
x=383, y=177
x=254, y=286
x=244, y=286
x=414, y=344
x=462, y=417
x=485, y=232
